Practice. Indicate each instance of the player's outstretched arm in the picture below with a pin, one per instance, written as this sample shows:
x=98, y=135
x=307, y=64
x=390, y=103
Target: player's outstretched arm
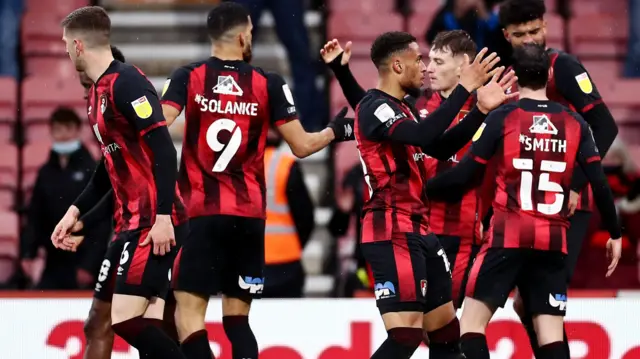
x=285, y=118
x=490, y=96
x=174, y=94
x=485, y=143
x=338, y=61
x=97, y=187
x=589, y=160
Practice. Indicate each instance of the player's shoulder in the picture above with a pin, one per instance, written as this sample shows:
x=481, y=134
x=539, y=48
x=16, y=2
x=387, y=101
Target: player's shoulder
x=562, y=59
x=503, y=111
x=190, y=67
x=372, y=100
x=573, y=115
x=129, y=74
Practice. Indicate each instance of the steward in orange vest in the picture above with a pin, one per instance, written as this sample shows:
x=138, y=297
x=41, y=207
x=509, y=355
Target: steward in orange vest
x=290, y=221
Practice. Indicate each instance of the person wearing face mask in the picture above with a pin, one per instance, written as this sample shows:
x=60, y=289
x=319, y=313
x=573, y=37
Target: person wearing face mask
x=60, y=180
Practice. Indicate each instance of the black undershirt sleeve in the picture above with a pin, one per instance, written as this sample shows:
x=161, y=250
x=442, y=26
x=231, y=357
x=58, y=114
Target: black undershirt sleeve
x=604, y=130
x=98, y=186
x=352, y=91
x=426, y=132
x=589, y=160
x=456, y=137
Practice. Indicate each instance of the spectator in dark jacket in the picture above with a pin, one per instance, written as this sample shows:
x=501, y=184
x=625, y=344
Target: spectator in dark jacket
x=478, y=19
x=60, y=180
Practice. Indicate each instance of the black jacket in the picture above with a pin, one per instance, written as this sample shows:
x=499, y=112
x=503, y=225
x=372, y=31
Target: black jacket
x=55, y=190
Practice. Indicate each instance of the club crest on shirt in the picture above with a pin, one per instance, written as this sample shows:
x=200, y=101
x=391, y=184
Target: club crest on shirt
x=103, y=103
x=478, y=133
x=423, y=287
x=142, y=107
x=584, y=83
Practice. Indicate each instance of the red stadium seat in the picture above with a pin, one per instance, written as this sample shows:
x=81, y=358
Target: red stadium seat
x=34, y=155
x=55, y=6
x=8, y=107
x=598, y=7
x=9, y=234
x=599, y=36
x=603, y=72
x=8, y=166
x=555, y=31
x=9, y=245
x=46, y=66
x=41, y=34
x=621, y=93
x=42, y=95
x=382, y=6
x=366, y=75
x=8, y=99
x=362, y=26
x=38, y=131
x=419, y=24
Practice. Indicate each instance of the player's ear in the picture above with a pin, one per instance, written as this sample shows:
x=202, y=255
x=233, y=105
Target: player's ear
x=242, y=39
x=397, y=66
x=505, y=33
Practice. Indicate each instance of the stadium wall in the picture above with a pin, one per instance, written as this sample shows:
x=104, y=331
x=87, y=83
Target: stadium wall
x=51, y=327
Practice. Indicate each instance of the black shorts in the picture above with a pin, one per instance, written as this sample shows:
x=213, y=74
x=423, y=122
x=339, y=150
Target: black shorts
x=539, y=275
x=142, y=273
x=223, y=254
x=577, y=232
x=107, y=275
x=461, y=253
x=411, y=273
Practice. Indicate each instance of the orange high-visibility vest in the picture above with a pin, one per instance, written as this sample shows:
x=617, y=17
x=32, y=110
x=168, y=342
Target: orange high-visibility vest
x=282, y=244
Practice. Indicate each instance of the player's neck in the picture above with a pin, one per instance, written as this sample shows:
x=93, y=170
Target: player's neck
x=446, y=93
x=539, y=95
x=391, y=88
x=225, y=53
x=97, y=63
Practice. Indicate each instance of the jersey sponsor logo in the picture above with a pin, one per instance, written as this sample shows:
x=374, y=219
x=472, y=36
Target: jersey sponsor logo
x=558, y=301
x=253, y=285
x=478, y=133
x=420, y=156
x=543, y=126
x=287, y=94
x=227, y=85
x=384, y=290
x=142, y=107
x=584, y=83
x=228, y=107
x=166, y=86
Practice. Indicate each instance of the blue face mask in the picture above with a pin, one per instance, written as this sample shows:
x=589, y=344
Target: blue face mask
x=65, y=148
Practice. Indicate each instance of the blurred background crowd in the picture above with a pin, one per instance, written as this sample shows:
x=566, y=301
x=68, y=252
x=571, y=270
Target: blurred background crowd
x=47, y=150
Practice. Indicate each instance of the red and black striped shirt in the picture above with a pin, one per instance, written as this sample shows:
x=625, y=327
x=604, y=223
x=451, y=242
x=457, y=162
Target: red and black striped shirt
x=229, y=107
x=535, y=146
x=445, y=217
x=570, y=85
x=395, y=203
x=123, y=107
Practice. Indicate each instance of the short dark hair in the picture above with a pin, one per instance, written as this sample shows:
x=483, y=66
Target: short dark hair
x=225, y=17
x=91, y=20
x=389, y=43
x=457, y=41
x=117, y=54
x=514, y=12
x=65, y=116
x=531, y=64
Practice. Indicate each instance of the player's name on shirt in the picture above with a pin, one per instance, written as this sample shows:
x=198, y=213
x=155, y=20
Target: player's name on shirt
x=543, y=126
x=227, y=107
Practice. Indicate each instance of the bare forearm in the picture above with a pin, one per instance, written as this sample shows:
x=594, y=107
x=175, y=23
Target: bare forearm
x=312, y=143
